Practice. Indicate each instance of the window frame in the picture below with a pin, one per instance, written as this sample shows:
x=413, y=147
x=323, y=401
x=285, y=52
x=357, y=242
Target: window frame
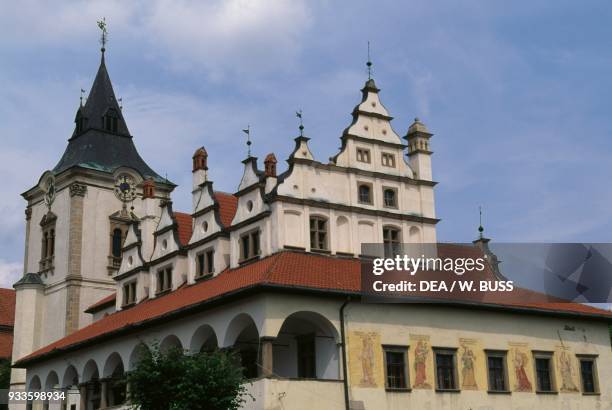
x=452, y=351
x=206, y=267
x=390, y=156
x=249, y=236
x=317, y=232
x=593, y=359
x=129, y=297
x=164, y=279
x=503, y=354
x=392, y=247
x=361, y=152
x=403, y=349
x=395, y=197
x=361, y=184
x=539, y=355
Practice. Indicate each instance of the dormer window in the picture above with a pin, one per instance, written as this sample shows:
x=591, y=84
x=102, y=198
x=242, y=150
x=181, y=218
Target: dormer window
x=129, y=293
x=205, y=263
x=80, y=122
x=164, y=279
x=249, y=245
x=110, y=120
x=363, y=155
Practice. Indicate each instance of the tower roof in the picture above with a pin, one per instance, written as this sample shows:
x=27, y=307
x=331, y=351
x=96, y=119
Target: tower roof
x=101, y=139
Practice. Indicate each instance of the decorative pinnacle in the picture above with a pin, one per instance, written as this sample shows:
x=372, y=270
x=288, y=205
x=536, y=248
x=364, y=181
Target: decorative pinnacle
x=480, y=228
x=301, y=127
x=247, y=131
x=369, y=63
x=104, y=37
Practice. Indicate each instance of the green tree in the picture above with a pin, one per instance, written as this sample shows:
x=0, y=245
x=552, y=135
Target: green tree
x=176, y=381
x=5, y=373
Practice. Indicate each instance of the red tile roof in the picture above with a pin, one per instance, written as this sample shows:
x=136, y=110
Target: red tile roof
x=185, y=227
x=286, y=270
x=6, y=344
x=102, y=303
x=7, y=307
x=228, y=204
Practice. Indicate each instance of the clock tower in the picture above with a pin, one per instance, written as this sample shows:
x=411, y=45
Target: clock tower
x=77, y=217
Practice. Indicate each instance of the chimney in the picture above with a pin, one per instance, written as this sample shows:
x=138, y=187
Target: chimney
x=270, y=165
x=200, y=167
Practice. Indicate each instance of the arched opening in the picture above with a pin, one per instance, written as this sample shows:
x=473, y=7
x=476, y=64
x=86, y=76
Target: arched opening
x=306, y=347
x=33, y=385
x=92, y=388
x=243, y=335
x=204, y=340
x=170, y=342
x=114, y=377
x=139, y=352
x=70, y=385
x=51, y=384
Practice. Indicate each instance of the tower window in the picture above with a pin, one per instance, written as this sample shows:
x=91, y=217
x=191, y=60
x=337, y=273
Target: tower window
x=47, y=250
x=388, y=160
x=249, y=245
x=318, y=233
x=363, y=155
x=365, y=194
x=390, y=198
x=391, y=239
x=117, y=242
x=110, y=121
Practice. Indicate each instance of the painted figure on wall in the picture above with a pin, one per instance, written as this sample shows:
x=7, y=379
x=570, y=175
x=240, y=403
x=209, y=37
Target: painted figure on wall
x=521, y=360
x=420, y=365
x=567, y=371
x=467, y=372
x=367, y=362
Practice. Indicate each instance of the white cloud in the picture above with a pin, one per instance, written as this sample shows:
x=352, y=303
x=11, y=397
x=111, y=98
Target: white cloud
x=9, y=273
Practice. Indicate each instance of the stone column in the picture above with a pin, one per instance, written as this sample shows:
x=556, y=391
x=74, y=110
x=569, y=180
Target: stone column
x=83, y=396
x=103, y=393
x=267, y=364
x=75, y=245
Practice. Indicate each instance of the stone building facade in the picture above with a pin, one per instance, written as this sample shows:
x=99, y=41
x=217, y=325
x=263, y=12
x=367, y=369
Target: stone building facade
x=273, y=271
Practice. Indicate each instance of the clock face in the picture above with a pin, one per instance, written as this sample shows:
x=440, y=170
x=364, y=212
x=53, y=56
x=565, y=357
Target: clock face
x=47, y=185
x=125, y=188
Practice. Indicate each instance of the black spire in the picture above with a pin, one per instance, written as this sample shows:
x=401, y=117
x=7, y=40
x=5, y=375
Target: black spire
x=101, y=139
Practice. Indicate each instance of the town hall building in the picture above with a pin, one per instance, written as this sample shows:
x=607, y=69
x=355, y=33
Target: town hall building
x=273, y=270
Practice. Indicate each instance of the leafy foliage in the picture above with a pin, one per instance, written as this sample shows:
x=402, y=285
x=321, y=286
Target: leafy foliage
x=5, y=373
x=173, y=380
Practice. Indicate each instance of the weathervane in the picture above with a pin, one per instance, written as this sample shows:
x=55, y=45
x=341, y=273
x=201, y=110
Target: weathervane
x=247, y=131
x=299, y=115
x=480, y=228
x=369, y=63
x=104, y=38
x=81, y=97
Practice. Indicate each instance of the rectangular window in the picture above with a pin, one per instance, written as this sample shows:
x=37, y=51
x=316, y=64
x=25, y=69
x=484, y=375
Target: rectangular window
x=496, y=367
x=249, y=245
x=396, y=367
x=318, y=233
x=588, y=374
x=543, y=368
x=363, y=155
x=446, y=377
x=164, y=280
x=391, y=241
x=129, y=293
x=365, y=193
x=390, y=197
x=205, y=262
x=388, y=160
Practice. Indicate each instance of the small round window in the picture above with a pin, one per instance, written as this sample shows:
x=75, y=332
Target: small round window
x=164, y=244
x=130, y=261
x=205, y=226
x=249, y=205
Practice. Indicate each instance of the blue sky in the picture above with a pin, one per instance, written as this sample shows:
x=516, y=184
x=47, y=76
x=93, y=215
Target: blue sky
x=517, y=94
